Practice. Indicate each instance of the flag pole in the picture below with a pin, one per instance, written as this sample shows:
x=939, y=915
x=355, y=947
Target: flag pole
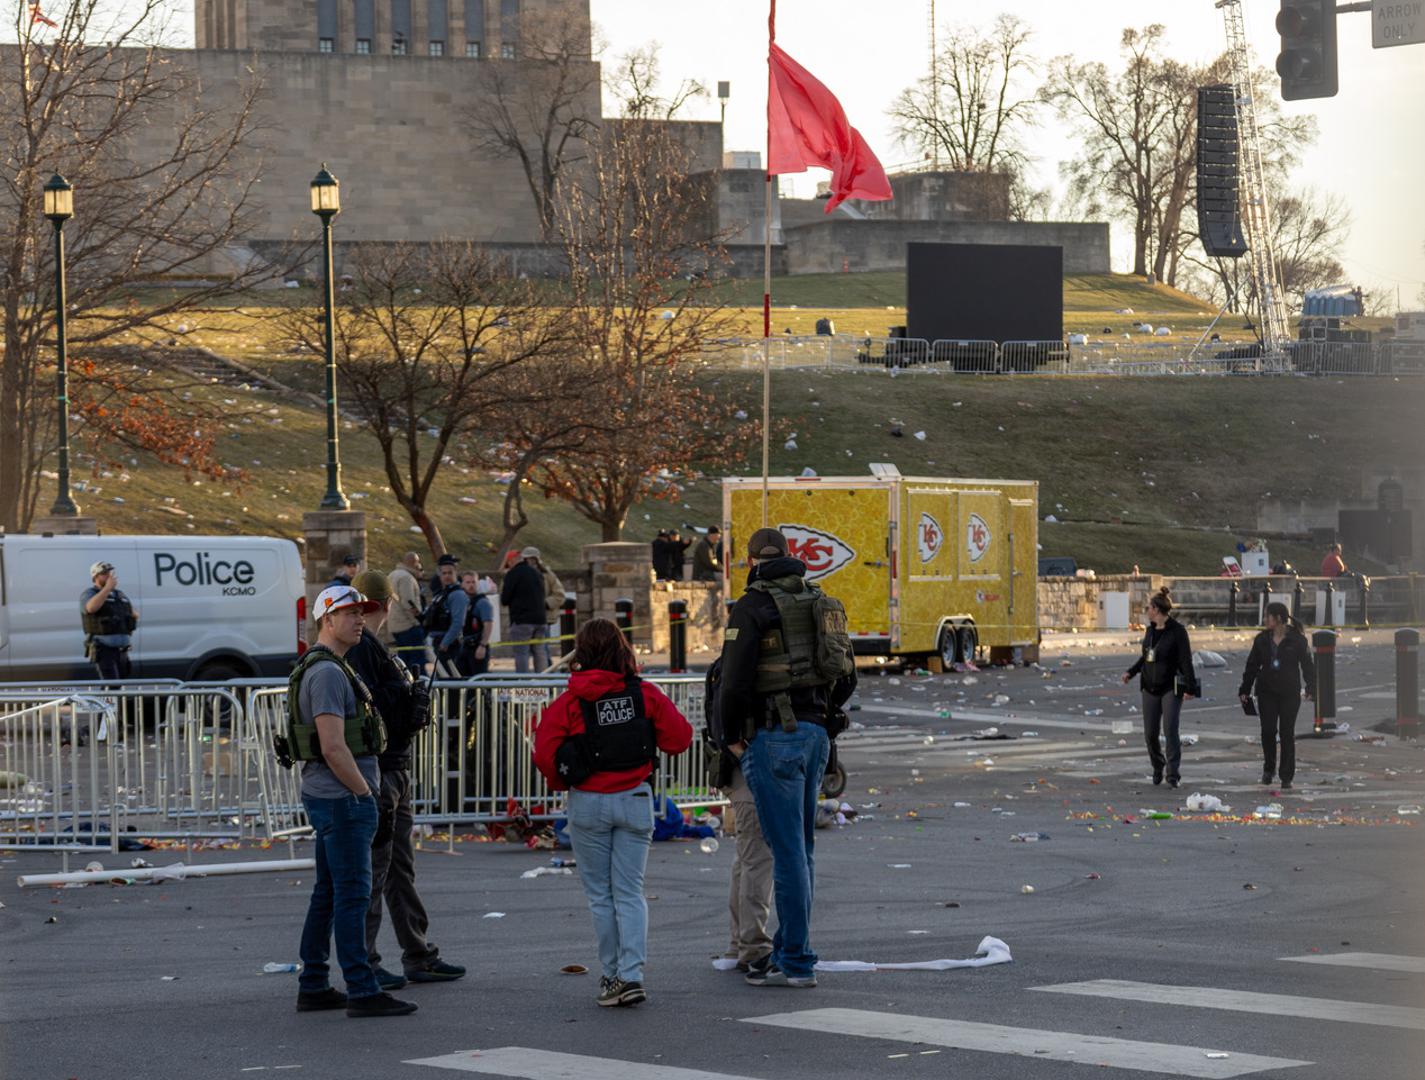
x=767, y=275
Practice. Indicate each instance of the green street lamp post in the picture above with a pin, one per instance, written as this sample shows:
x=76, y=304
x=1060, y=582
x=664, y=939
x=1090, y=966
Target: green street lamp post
x=326, y=204
x=59, y=208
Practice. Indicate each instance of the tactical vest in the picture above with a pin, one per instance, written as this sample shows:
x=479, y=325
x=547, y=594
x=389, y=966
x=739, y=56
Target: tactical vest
x=436, y=619
x=116, y=616
x=618, y=735
x=474, y=628
x=810, y=648
x=364, y=733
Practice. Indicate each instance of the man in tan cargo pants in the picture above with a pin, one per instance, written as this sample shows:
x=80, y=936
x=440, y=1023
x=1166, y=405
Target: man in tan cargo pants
x=750, y=899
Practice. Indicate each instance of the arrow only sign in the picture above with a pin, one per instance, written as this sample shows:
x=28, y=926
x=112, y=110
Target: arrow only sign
x=1397, y=22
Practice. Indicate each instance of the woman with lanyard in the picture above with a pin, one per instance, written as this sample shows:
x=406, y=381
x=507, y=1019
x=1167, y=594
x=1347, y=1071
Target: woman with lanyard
x=599, y=740
x=1165, y=664
x=1279, y=662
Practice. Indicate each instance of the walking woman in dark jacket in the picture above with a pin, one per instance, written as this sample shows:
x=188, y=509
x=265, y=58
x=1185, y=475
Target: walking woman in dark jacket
x=599, y=739
x=1279, y=662
x=1165, y=667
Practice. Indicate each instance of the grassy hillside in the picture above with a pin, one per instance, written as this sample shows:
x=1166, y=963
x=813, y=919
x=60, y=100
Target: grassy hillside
x=1137, y=469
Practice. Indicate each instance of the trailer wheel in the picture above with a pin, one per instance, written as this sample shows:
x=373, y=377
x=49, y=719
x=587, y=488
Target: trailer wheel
x=968, y=643
x=948, y=647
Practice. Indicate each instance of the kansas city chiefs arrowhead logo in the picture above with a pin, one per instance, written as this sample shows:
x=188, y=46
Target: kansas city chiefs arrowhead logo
x=929, y=538
x=823, y=553
x=977, y=538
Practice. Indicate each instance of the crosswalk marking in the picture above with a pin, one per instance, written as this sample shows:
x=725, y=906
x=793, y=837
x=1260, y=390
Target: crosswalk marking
x=1210, y=997
x=531, y=1064
x=1173, y=1060
x=1379, y=961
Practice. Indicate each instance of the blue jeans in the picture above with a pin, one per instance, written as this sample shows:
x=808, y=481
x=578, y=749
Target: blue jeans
x=784, y=770
x=411, y=649
x=611, y=835
x=345, y=828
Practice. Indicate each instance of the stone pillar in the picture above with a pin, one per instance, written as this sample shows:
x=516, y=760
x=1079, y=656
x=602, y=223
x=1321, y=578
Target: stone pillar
x=330, y=534
x=64, y=525
x=623, y=569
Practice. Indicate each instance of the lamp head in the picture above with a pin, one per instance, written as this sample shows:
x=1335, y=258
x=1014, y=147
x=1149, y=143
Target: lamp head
x=59, y=199
x=326, y=193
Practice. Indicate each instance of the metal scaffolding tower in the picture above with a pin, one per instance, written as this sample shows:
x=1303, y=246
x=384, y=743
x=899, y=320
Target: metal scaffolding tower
x=1256, y=208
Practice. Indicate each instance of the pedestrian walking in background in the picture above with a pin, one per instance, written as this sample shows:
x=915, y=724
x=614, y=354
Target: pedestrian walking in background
x=707, y=556
x=1278, y=665
x=599, y=740
x=404, y=705
x=523, y=593
x=1166, y=679
x=1333, y=565
x=404, y=621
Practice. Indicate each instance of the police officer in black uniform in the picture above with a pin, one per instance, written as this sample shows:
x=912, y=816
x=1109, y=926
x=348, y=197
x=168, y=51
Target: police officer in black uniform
x=778, y=710
x=405, y=707
x=109, y=620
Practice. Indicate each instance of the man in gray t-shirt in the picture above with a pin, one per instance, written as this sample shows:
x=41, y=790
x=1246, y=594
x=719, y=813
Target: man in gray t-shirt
x=326, y=690
x=338, y=793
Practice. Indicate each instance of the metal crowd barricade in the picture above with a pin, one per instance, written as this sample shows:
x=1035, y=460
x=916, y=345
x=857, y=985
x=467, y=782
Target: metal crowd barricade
x=475, y=757
x=1034, y=357
x=100, y=761
x=966, y=357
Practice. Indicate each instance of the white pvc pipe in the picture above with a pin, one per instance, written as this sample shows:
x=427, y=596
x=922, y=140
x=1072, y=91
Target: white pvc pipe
x=176, y=872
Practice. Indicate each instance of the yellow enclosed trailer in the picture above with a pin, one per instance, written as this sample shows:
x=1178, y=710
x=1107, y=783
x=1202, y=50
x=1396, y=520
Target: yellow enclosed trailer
x=925, y=566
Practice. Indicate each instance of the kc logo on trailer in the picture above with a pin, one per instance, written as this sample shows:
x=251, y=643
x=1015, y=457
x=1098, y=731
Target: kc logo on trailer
x=929, y=538
x=977, y=538
x=823, y=553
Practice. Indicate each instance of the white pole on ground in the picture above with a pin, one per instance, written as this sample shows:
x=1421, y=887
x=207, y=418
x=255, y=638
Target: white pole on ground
x=177, y=872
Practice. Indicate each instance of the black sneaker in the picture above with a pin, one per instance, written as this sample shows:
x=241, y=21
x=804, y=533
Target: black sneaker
x=388, y=980
x=1173, y=782
x=1157, y=778
x=618, y=992
x=1286, y=785
x=380, y=1005
x=772, y=975
x=1266, y=778
x=435, y=971
x=758, y=967
x=318, y=1000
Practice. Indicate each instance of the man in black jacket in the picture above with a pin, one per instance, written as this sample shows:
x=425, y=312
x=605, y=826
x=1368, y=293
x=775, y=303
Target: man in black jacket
x=782, y=744
x=523, y=593
x=404, y=706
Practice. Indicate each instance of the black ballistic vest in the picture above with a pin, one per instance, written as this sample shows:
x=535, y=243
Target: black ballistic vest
x=617, y=731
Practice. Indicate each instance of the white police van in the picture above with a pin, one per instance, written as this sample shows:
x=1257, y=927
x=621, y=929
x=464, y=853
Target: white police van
x=210, y=607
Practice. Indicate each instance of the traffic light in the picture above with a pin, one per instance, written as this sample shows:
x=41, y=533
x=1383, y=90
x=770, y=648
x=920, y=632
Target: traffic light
x=1307, y=62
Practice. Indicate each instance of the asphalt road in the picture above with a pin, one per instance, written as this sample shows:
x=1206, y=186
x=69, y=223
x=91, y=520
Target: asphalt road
x=1146, y=947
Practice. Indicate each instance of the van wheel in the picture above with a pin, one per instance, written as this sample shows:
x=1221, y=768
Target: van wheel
x=948, y=647
x=968, y=643
x=218, y=671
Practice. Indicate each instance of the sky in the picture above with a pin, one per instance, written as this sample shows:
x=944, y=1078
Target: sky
x=1371, y=148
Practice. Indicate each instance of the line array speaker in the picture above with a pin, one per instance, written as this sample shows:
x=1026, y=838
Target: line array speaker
x=1219, y=213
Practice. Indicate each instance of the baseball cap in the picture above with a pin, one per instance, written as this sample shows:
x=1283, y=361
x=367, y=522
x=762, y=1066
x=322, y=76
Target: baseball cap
x=372, y=584
x=447, y=560
x=100, y=567
x=350, y=560
x=530, y=552
x=341, y=596
x=766, y=544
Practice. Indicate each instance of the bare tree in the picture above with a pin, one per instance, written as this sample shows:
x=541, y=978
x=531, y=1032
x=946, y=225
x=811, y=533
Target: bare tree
x=973, y=113
x=163, y=186
x=1308, y=231
x=541, y=111
x=642, y=313
x=425, y=335
x=634, y=83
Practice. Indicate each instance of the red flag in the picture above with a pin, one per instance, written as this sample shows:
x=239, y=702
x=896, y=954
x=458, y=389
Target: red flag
x=807, y=126
x=37, y=16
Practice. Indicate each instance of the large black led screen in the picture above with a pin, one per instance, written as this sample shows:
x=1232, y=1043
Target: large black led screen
x=984, y=292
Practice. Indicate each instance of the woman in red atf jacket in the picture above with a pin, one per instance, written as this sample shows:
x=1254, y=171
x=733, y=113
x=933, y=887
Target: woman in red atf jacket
x=599, y=739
